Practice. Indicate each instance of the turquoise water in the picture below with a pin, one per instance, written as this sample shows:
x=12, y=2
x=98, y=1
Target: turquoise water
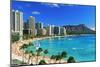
x=81, y=47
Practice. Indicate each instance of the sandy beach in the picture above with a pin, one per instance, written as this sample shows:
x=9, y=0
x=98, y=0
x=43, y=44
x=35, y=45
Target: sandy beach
x=18, y=54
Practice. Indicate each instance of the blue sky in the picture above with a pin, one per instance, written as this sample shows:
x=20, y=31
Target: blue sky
x=57, y=14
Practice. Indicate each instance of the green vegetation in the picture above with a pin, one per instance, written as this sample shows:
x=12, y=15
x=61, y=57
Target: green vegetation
x=23, y=47
x=71, y=60
x=27, y=36
x=45, y=52
x=30, y=53
x=15, y=61
x=59, y=56
x=39, y=50
x=15, y=37
x=42, y=62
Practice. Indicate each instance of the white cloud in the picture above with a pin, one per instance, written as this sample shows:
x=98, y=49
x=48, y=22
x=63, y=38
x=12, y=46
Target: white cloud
x=51, y=4
x=36, y=12
x=93, y=28
x=55, y=5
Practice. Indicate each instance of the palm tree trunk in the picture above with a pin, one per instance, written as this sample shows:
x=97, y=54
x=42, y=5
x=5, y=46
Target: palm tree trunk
x=29, y=59
x=55, y=61
x=23, y=57
x=50, y=61
x=43, y=57
x=59, y=61
x=37, y=60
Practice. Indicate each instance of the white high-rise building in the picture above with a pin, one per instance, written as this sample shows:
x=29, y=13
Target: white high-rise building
x=50, y=30
x=62, y=31
x=17, y=22
x=31, y=22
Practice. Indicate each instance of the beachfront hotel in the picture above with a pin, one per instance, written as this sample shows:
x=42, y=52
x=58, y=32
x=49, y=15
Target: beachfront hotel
x=33, y=28
x=39, y=25
x=56, y=30
x=50, y=30
x=39, y=29
x=31, y=22
x=62, y=31
x=17, y=23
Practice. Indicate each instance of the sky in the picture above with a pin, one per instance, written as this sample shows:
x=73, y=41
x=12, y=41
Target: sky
x=57, y=14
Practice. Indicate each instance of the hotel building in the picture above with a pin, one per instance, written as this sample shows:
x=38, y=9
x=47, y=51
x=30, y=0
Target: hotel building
x=62, y=31
x=31, y=23
x=50, y=30
x=17, y=23
x=56, y=30
x=39, y=25
x=39, y=28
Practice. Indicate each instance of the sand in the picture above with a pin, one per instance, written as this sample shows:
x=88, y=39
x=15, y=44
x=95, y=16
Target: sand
x=18, y=54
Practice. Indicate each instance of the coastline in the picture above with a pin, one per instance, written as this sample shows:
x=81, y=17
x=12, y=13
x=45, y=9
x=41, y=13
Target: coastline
x=17, y=54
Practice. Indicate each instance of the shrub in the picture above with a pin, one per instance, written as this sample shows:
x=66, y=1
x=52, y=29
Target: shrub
x=42, y=62
x=71, y=60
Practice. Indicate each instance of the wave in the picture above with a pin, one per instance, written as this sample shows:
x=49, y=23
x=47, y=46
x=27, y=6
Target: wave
x=77, y=48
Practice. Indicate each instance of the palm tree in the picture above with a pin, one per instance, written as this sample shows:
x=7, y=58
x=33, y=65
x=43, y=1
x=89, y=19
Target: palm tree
x=23, y=47
x=39, y=50
x=31, y=54
x=58, y=57
x=31, y=44
x=63, y=55
x=45, y=52
x=26, y=53
x=71, y=60
x=53, y=57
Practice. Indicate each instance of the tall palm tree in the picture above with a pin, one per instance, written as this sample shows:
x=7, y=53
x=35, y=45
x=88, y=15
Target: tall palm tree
x=23, y=47
x=45, y=52
x=63, y=55
x=58, y=57
x=26, y=53
x=53, y=57
x=30, y=55
x=39, y=50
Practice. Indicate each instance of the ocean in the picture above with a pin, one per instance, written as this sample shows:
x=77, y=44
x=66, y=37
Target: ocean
x=81, y=47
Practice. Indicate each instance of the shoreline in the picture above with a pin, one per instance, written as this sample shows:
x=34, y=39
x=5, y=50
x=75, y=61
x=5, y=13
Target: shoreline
x=17, y=54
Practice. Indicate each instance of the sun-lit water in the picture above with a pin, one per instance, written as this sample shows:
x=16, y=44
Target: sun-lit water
x=81, y=47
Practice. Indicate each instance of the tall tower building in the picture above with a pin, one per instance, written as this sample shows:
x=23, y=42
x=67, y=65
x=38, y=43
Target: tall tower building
x=39, y=25
x=17, y=22
x=31, y=22
x=56, y=30
x=50, y=30
x=39, y=28
x=62, y=31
